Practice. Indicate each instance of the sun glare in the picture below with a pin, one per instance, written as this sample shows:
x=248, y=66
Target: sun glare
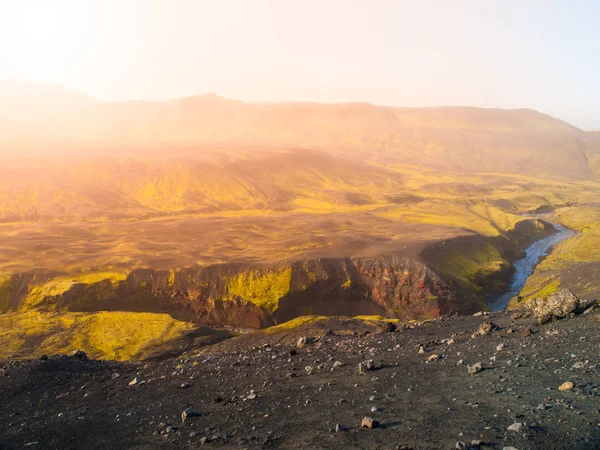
x=45, y=40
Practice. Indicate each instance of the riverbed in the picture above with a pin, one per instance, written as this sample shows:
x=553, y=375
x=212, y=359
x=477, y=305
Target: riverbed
x=525, y=267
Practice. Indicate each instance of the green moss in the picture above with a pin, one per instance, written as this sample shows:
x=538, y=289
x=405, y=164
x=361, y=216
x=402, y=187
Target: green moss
x=541, y=290
x=107, y=335
x=470, y=264
x=58, y=286
x=264, y=289
x=295, y=323
x=5, y=285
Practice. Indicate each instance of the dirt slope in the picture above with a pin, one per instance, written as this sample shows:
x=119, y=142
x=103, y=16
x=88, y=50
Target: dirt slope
x=247, y=399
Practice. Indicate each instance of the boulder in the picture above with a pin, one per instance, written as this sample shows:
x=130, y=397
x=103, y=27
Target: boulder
x=559, y=305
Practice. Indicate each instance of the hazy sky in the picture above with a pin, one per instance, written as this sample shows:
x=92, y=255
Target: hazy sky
x=522, y=53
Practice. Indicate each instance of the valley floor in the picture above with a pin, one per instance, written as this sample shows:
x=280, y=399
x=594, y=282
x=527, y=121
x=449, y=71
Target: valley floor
x=264, y=398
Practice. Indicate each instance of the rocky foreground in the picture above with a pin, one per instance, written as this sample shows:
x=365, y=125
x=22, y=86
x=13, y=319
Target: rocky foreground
x=490, y=381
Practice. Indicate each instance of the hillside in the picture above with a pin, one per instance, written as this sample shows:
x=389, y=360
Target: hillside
x=457, y=138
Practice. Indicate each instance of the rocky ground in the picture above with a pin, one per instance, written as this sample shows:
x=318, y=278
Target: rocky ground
x=495, y=381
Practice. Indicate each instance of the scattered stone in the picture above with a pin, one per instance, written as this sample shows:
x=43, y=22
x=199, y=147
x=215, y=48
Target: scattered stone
x=460, y=445
x=185, y=385
x=339, y=427
x=516, y=427
x=477, y=367
x=450, y=342
x=337, y=364
x=500, y=347
x=303, y=340
x=134, y=382
x=433, y=357
x=484, y=329
x=516, y=316
x=578, y=365
x=478, y=314
x=366, y=366
x=559, y=305
x=309, y=369
x=190, y=412
x=369, y=422
x=527, y=332
x=421, y=350
x=203, y=440
x=566, y=386
x=115, y=375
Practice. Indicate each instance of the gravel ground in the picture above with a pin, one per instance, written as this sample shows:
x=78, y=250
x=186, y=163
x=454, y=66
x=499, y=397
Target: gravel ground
x=262, y=397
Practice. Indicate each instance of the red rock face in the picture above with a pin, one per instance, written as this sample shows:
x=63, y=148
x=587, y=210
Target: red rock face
x=389, y=286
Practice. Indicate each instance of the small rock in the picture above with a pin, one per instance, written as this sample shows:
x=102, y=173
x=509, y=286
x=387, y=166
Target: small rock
x=516, y=316
x=499, y=347
x=460, y=445
x=590, y=309
x=337, y=364
x=478, y=314
x=190, y=412
x=369, y=422
x=386, y=327
x=339, y=427
x=566, y=386
x=484, y=329
x=450, y=342
x=203, y=440
x=366, y=366
x=79, y=354
x=303, y=340
x=516, y=427
x=308, y=369
x=433, y=357
x=477, y=367
x=134, y=382
x=185, y=385
x=527, y=332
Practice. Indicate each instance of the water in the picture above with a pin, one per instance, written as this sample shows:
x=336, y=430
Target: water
x=524, y=267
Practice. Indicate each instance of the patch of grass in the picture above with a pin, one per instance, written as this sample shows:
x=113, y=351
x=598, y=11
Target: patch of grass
x=295, y=323
x=104, y=335
x=377, y=319
x=262, y=288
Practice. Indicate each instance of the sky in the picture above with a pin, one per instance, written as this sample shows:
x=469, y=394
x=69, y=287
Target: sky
x=540, y=54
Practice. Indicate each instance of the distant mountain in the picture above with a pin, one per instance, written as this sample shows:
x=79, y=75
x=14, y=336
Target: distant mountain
x=457, y=138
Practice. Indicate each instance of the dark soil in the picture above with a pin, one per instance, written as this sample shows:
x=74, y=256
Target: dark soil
x=71, y=403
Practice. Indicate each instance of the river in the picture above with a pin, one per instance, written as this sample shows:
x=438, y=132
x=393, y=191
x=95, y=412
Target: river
x=524, y=267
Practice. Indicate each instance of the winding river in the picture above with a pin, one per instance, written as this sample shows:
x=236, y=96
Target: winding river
x=524, y=267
